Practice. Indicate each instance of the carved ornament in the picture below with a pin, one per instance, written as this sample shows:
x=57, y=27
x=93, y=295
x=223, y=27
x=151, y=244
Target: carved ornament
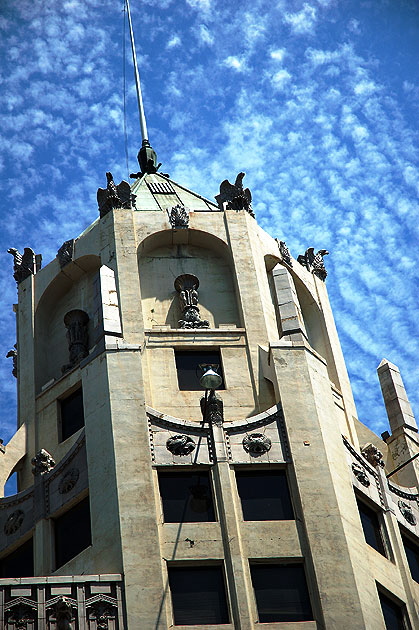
x=42, y=462
x=77, y=336
x=19, y=616
x=187, y=287
x=314, y=262
x=13, y=355
x=13, y=522
x=256, y=443
x=178, y=217
x=63, y=614
x=26, y=264
x=68, y=481
x=113, y=196
x=360, y=474
x=180, y=444
x=235, y=196
x=407, y=512
x=212, y=408
x=66, y=252
x=285, y=253
x=373, y=455
x=102, y=613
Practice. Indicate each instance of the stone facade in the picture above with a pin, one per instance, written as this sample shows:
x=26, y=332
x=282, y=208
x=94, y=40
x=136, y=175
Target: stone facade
x=286, y=406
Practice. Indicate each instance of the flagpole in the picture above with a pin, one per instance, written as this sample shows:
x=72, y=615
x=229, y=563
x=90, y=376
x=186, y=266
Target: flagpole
x=143, y=123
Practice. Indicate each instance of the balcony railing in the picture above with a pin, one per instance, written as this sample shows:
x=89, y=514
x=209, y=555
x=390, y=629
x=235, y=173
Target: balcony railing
x=77, y=602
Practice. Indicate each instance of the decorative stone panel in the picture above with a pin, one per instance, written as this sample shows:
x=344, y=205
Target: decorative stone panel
x=16, y=517
x=365, y=477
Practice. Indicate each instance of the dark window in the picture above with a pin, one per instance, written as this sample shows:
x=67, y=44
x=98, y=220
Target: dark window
x=71, y=414
x=72, y=532
x=412, y=553
x=19, y=563
x=264, y=495
x=198, y=595
x=281, y=592
x=186, y=496
x=371, y=526
x=392, y=613
x=188, y=371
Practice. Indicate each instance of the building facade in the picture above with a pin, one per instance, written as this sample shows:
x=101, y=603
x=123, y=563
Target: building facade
x=147, y=502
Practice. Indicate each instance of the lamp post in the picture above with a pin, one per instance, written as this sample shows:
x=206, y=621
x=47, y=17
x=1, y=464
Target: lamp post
x=211, y=404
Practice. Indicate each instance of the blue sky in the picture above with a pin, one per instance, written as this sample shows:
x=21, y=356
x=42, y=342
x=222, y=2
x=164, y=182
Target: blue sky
x=316, y=101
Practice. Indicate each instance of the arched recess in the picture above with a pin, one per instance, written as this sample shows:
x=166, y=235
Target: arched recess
x=161, y=260
x=71, y=289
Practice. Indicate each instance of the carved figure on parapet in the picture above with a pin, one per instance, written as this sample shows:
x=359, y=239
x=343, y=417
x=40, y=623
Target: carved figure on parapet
x=42, y=463
x=26, y=264
x=285, y=252
x=373, y=455
x=113, y=196
x=77, y=336
x=63, y=614
x=178, y=217
x=12, y=354
x=66, y=252
x=314, y=262
x=187, y=287
x=235, y=196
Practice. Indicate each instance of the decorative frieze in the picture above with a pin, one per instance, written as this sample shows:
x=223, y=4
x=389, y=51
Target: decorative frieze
x=256, y=443
x=234, y=196
x=180, y=444
x=314, y=262
x=77, y=336
x=187, y=287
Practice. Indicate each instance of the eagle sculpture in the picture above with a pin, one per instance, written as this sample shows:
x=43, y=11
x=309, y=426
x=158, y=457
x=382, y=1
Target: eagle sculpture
x=235, y=196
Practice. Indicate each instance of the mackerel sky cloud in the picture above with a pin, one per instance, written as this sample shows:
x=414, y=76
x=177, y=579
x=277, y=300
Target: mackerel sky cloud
x=316, y=101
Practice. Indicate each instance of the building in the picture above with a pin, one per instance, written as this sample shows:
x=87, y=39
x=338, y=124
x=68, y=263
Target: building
x=141, y=506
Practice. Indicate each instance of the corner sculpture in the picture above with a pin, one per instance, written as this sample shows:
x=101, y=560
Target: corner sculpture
x=66, y=252
x=178, y=217
x=77, y=336
x=26, y=264
x=235, y=196
x=12, y=354
x=187, y=287
x=314, y=262
x=113, y=196
x=285, y=252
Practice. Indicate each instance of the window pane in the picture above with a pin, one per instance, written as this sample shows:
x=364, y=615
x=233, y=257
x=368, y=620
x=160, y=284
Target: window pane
x=187, y=366
x=412, y=553
x=186, y=497
x=281, y=592
x=371, y=527
x=264, y=495
x=72, y=532
x=19, y=563
x=198, y=595
x=72, y=414
x=392, y=613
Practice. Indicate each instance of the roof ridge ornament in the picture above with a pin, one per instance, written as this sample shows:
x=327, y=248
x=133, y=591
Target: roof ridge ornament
x=147, y=157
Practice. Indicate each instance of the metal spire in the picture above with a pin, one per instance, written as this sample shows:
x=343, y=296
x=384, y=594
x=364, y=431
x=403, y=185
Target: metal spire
x=147, y=157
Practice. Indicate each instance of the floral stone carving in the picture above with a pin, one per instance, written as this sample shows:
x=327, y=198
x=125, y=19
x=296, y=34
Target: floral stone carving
x=180, y=444
x=256, y=443
x=373, y=455
x=13, y=522
x=42, y=462
x=178, y=217
x=68, y=481
x=187, y=287
x=360, y=474
x=407, y=512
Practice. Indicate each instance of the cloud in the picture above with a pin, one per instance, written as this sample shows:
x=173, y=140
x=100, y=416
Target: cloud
x=234, y=62
x=302, y=22
x=173, y=42
x=280, y=79
x=204, y=35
